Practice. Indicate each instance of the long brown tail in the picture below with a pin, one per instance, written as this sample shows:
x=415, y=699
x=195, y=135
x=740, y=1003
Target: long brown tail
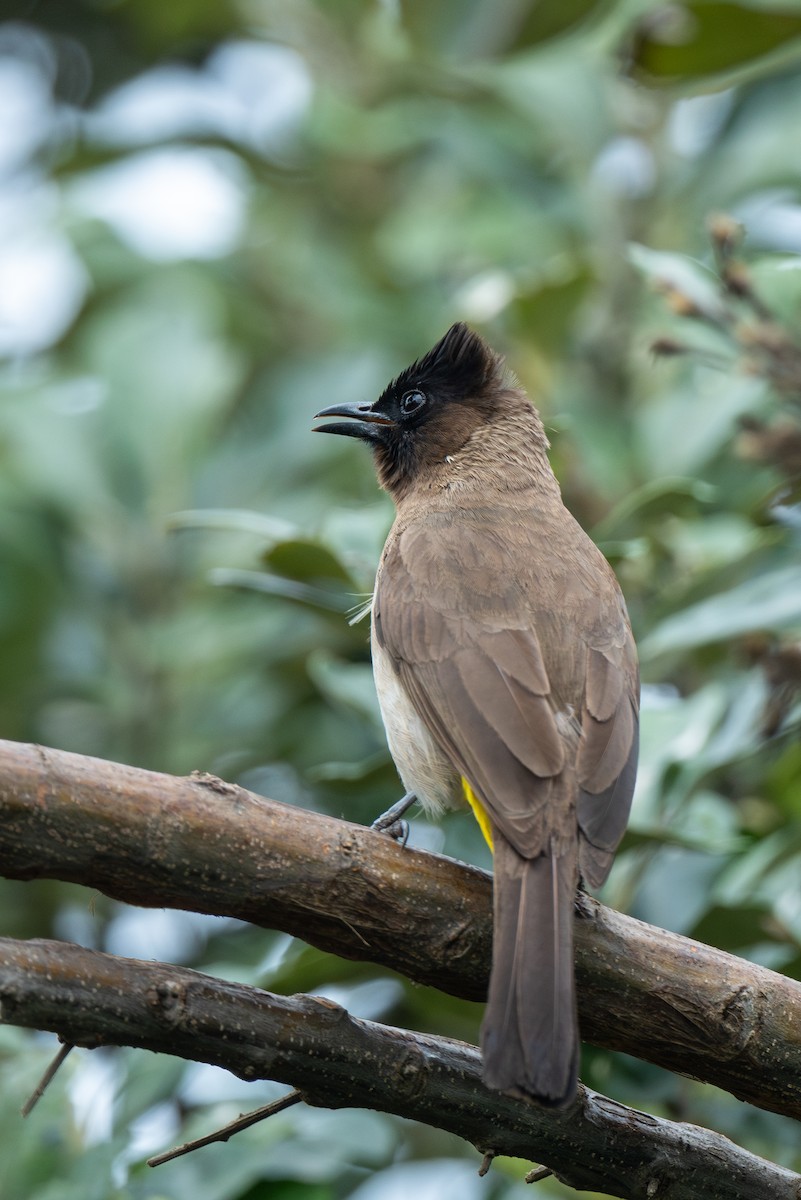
x=530, y=1032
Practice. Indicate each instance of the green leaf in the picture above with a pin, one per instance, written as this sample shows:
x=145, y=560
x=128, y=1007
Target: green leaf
x=545, y=20
x=768, y=874
x=703, y=38
x=475, y=29
x=345, y=683
x=308, y=561
x=277, y=585
x=733, y=927
x=547, y=309
x=674, y=730
x=777, y=281
x=349, y=772
x=673, y=493
x=771, y=601
x=234, y=520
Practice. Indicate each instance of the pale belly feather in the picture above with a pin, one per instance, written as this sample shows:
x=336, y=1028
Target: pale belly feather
x=422, y=766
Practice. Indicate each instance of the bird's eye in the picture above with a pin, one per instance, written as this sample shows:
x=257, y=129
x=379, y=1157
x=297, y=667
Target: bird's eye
x=411, y=402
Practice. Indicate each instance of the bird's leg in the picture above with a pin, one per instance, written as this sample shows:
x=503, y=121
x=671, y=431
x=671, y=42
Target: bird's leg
x=391, y=822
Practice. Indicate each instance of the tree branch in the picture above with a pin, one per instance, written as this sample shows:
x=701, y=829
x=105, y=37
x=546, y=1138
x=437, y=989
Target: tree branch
x=212, y=847
x=337, y=1061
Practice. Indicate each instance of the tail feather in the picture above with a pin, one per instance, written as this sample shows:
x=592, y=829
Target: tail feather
x=530, y=1030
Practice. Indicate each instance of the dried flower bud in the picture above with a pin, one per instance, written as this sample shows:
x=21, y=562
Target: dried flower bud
x=737, y=279
x=763, y=335
x=778, y=444
x=665, y=347
x=726, y=233
x=679, y=302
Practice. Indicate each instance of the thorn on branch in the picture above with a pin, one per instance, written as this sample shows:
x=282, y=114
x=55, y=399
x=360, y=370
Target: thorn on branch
x=243, y=1121
x=46, y=1079
x=537, y=1174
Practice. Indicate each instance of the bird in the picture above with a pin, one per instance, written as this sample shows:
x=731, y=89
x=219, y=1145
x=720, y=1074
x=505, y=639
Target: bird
x=506, y=674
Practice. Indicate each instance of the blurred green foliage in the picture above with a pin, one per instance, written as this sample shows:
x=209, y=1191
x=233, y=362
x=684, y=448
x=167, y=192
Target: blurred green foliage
x=218, y=218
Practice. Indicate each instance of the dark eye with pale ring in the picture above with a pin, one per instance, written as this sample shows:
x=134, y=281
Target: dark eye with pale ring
x=411, y=402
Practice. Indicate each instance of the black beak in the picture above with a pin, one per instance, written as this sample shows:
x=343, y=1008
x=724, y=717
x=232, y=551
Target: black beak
x=364, y=422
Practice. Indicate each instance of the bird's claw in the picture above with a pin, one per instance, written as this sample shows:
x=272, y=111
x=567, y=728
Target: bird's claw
x=391, y=826
x=391, y=822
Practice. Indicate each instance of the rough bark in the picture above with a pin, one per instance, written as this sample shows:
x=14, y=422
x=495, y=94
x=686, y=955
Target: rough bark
x=337, y=1060
x=208, y=846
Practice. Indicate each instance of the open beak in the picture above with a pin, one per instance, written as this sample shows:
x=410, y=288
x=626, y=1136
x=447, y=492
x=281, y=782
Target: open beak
x=364, y=422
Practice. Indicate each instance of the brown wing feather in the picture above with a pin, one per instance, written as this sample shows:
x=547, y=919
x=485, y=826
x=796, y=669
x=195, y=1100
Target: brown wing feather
x=523, y=719
x=607, y=758
x=518, y=801
x=603, y=818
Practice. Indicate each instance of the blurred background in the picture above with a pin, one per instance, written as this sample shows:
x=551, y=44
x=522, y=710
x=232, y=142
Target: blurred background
x=218, y=216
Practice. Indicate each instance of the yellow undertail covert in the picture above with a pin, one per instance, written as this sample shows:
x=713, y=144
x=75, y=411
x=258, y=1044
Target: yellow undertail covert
x=479, y=812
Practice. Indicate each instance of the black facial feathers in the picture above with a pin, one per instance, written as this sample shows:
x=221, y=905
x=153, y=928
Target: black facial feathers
x=434, y=407
x=432, y=410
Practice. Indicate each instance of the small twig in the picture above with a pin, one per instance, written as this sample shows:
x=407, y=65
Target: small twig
x=486, y=1162
x=227, y=1131
x=537, y=1174
x=46, y=1079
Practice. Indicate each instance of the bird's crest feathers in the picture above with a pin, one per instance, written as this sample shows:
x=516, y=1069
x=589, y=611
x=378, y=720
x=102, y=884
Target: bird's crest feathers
x=460, y=365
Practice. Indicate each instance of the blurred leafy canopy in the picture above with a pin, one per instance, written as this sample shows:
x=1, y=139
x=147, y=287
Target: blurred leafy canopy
x=179, y=554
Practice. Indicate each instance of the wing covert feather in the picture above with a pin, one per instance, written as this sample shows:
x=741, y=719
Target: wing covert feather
x=480, y=681
x=523, y=721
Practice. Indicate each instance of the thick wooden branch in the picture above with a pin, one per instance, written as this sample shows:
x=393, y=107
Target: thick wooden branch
x=208, y=846
x=598, y=1145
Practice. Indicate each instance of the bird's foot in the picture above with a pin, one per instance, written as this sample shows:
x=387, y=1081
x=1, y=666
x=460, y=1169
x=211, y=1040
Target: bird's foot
x=391, y=822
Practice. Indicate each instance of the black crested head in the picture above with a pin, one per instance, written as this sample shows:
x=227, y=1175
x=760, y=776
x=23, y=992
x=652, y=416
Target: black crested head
x=435, y=405
x=460, y=367
x=425, y=415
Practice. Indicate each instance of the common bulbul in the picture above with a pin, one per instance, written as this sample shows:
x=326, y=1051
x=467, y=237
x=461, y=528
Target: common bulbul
x=507, y=676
